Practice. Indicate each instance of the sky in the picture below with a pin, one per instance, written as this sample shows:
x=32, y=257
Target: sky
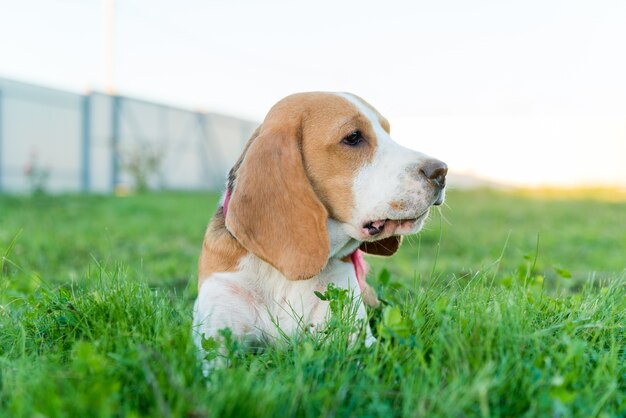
x=522, y=92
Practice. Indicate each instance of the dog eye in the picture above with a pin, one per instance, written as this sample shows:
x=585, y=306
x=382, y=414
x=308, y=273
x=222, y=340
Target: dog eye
x=355, y=138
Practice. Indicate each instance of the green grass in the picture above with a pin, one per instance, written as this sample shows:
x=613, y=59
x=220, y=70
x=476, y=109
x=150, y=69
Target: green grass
x=481, y=318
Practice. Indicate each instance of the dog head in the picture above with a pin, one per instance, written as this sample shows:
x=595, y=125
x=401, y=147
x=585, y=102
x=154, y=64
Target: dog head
x=320, y=157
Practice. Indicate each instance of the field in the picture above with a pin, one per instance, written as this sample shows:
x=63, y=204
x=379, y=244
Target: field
x=508, y=304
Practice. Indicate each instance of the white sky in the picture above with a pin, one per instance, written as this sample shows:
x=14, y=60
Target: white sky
x=528, y=92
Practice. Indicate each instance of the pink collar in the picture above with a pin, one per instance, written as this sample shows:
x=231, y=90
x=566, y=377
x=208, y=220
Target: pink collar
x=360, y=267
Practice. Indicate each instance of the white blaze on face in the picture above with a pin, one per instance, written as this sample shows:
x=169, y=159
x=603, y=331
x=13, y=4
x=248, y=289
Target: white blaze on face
x=390, y=186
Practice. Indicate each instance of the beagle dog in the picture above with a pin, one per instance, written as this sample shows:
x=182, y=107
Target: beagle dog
x=319, y=183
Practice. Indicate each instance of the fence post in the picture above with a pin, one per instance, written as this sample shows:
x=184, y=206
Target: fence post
x=204, y=145
x=115, y=141
x=86, y=151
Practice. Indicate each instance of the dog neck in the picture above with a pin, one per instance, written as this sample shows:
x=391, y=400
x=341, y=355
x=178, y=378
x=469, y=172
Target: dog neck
x=341, y=244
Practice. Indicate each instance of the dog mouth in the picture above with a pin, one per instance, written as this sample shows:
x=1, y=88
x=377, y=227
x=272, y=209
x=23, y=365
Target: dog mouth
x=392, y=226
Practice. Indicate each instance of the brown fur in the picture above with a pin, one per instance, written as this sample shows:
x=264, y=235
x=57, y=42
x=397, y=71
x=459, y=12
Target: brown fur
x=332, y=165
x=274, y=212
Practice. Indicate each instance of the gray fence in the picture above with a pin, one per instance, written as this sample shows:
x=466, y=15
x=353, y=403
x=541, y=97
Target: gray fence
x=66, y=142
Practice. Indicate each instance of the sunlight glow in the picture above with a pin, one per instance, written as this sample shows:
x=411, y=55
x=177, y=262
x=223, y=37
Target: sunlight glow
x=528, y=93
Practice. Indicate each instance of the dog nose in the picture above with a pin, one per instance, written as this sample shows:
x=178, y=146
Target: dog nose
x=435, y=171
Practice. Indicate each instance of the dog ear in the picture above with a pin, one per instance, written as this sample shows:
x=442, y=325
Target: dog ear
x=273, y=210
x=384, y=247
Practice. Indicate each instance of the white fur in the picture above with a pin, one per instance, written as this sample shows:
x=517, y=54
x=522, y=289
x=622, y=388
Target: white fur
x=253, y=301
